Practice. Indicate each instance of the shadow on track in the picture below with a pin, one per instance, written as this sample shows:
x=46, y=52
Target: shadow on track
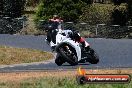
x=82, y=64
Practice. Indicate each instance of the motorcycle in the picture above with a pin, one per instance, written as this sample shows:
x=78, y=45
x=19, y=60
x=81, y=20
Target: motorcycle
x=71, y=51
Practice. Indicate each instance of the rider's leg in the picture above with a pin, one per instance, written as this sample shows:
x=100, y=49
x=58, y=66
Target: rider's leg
x=48, y=39
x=84, y=43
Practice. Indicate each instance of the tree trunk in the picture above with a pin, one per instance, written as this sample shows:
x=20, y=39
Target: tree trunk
x=129, y=8
x=1, y=7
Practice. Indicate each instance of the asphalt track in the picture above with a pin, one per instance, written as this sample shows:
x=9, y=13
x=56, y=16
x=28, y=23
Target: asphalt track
x=113, y=53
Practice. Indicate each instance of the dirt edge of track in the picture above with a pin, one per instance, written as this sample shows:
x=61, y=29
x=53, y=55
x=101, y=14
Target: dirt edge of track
x=17, y=76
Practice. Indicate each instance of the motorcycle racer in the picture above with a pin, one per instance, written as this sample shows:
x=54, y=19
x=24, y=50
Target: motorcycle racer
x=56, y=25
x=53, y=24
x=69, y=46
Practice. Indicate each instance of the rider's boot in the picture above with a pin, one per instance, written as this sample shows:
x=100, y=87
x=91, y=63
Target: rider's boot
x=48, y=42
x=53, y=48
x=85, y=46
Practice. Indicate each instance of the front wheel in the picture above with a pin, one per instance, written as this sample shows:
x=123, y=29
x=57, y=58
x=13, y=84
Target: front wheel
x=59, y=60
x=70, y=57
x=74, y=61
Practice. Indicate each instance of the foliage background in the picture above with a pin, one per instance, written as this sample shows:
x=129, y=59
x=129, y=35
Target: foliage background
x=69, y=10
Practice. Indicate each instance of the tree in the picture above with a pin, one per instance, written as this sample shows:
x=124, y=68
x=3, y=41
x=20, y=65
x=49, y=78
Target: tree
x=13, y=8
x=32, y=2
x=1, y=7
x=129, y=9
x=127, y=16
x=69, y=10
x=119, y=17
x=118, y=2
x=96, y=14
x=88, y=1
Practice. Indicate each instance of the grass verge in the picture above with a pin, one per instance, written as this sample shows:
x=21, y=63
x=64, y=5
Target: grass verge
x=10, y=55
x=57, y=79
x=66, y=83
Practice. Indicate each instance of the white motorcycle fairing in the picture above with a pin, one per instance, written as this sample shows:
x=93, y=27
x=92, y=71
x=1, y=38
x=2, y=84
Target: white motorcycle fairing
x=63, y=39
x=74, y=44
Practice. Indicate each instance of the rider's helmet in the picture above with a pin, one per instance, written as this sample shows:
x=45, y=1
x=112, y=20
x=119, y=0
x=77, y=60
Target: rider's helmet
x=56, y=18
x=57, y=22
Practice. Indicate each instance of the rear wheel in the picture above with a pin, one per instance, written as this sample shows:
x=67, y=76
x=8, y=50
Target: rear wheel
x=94, y=58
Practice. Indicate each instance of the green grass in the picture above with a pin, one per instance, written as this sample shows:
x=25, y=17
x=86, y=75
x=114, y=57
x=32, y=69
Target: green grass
x=10, y=55
x=58, y=83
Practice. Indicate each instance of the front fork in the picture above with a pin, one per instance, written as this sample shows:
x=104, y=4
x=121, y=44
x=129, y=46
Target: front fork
x=68, y=51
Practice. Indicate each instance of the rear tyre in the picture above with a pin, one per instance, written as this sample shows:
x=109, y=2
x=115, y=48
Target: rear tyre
x=94, y=57
x=59, y=60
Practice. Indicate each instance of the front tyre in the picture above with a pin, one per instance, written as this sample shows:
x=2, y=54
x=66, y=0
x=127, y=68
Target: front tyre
x=59, y=60
x=70, y=57
x=74, y=61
